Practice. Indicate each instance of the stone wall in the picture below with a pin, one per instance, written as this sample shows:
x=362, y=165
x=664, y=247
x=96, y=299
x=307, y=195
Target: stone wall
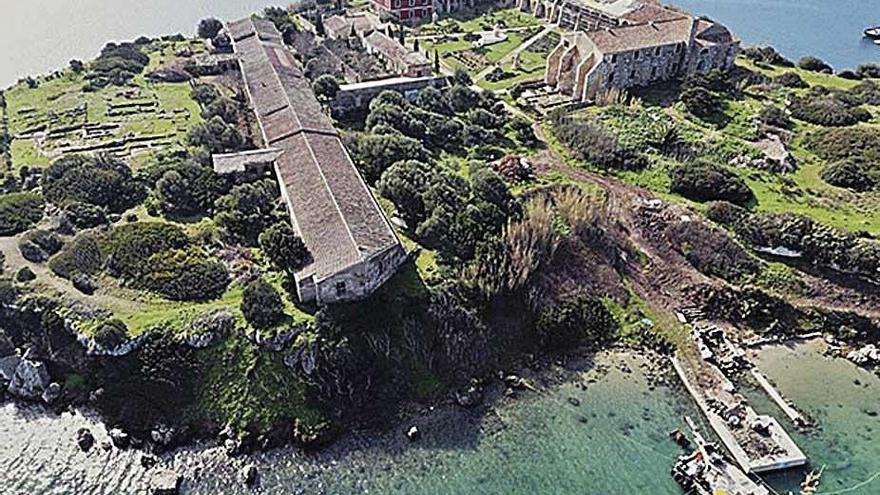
x=362, y=279
x=352, y=98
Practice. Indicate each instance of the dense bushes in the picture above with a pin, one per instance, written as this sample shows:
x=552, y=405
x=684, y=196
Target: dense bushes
x=574, y=320
x=702, y=102
x=790, y=80
x=826, y=247
x=82, y=256
x=216, y=136
x=185, y=188
x=100, y=181
x=704, y=181
x=184, y=275
x=815, y=65
x=116, y=65
x=860, y=143
x=766, y=55
x=38, y=245
x=209, y=28
x=129, y=246
x=711, y=250
x=828, y=108
x=111, y=334
x=83, y=215
x=774, y=116
x=19, y=212
x=851, y=174
x=589, y=141
x=285, y=250
x=261, y=304
x=246, y=211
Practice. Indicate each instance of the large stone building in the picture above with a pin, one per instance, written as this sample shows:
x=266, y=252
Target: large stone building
x=397, y=58
x=405, y=11
x=354, y=248
x=619, y=44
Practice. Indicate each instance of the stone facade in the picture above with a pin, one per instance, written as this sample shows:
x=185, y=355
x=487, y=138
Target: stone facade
x=356, y=97
x=650, y=45
x=399, y=59
x=405, y=11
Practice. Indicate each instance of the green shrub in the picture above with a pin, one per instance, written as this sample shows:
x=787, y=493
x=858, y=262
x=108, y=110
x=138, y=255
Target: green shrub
x=45, y=239
x=815, y=65
x=860, y=143
x=25, y=274
x=774, y=116
x=245, y=212
x=790, y=80
x=851, y=174
x=575, y=320
x=829, y=110
x=284, y=248
x=590, y=141
x=704, y=181
x=128, y=246
x=100, y=181
x=111, y=334
x=261, y=304
x=80, y=256
x=701, y=102
x=19, y=212
x=84, y=215
x=767, y=55
x=184, y=275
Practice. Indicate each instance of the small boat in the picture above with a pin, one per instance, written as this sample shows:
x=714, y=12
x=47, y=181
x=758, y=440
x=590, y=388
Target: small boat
x=873, y=32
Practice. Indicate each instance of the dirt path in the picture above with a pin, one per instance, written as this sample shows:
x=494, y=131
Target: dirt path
x=661, y=276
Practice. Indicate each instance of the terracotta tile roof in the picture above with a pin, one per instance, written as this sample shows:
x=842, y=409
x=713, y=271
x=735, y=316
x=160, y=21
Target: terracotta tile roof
x=331, y=207
x=647, y=12
x=629, y=38
x=394, y=51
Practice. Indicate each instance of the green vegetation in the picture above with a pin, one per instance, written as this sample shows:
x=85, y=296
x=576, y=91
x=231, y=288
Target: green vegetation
x=19, y=212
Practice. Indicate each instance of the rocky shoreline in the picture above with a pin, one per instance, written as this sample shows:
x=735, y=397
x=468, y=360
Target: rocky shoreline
x=168, y=469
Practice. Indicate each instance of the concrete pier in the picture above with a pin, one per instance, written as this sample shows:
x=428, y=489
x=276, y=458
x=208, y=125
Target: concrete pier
x=754, y=452
x=780, y=401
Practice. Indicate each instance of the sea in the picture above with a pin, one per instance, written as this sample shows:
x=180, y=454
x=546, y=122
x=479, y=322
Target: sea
x=604, y=432
x=38, y=36
x=829, y=29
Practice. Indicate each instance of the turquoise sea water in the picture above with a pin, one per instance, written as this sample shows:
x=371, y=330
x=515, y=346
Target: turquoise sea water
x=828, y=29
x=614, y=441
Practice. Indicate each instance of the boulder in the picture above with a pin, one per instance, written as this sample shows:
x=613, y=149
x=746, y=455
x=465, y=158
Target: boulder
x=84, y=439
x=8, y=365
x=119, y=438
x=148, y=461
x=165, y=482
x=469, y=397
x=413, y=433
x=30, y=380
x=52, y=393
x=163, y=435
x=248, y=475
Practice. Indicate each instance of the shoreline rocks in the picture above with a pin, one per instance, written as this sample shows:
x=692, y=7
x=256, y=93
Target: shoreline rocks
x=84, y=439
x=165, y=482
x=30, y=380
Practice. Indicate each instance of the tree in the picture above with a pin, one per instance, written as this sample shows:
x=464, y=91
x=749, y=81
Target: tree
x=186, y=189
x=319, y=25
x=204, y=94
x=704, y=181
x=261, y=304
x=222, y=107
x=326, y=87
x=404, y=183
x=436, y=61
x=209, y=28
x=416, y=45
x=701, y=102
x=77, y=66
x=215, y=135
x=523, y=131
x=245, y=212
x=101, y=180
x=376, y=152
x=462, y=77
x=285, y=250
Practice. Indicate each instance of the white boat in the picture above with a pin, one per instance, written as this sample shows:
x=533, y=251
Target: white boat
x=873, y=32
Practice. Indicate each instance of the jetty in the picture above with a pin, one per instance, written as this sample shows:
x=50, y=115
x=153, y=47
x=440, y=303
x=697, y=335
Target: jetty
x=707, y=472
x=793, y=414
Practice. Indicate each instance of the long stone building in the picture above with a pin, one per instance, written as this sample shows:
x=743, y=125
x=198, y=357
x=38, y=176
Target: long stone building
x=354, y=248
x=619, y=44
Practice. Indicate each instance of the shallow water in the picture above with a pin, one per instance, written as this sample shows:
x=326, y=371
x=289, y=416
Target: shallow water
x=828, y=29
x=614, y=442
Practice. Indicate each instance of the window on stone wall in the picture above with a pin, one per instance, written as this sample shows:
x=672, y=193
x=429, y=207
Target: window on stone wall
x=678, y=48
x=614, y=59
x=632, y=74
x=340, y=288
x=657, y=51
x=610, y=78
x=653, y=73
x=636, y=55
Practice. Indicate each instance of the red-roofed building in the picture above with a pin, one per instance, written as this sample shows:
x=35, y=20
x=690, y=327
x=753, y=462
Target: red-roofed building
x=405, y=11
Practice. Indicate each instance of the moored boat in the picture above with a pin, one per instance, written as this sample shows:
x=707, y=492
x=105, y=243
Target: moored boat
x=873, y=32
